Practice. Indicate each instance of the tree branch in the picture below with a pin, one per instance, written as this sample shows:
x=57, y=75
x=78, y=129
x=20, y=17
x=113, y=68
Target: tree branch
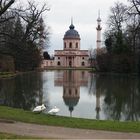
x=6, y=6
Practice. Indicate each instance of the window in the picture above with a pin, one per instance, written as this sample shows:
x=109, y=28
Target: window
x=76, y=91
x=70, y=45
x=76, y=44
x=58, y=57
x=83, y=63
x=83, y=58
x=70, y=63
x=69, y=91
x=58, y=63
x=65, y=45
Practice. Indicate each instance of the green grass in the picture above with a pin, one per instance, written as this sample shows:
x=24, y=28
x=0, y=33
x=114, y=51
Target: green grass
x=13, y=136
x=30, y=117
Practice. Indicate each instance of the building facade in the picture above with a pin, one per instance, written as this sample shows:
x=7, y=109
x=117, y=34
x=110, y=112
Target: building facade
x=71, y=55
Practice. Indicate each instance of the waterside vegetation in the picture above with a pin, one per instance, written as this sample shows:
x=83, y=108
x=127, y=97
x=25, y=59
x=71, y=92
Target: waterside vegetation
x=7, y=74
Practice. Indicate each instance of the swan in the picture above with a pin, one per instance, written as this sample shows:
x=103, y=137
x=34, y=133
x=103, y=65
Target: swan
x=39, y=108
x=54, y=110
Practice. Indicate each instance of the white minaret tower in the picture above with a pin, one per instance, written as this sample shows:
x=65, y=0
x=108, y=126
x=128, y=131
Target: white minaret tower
x=99, y=28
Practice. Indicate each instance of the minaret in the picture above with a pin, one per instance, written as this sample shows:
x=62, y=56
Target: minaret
x=99, y=28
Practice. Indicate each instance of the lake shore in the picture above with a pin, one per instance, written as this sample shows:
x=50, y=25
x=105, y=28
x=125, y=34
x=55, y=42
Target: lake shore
x=8, y=113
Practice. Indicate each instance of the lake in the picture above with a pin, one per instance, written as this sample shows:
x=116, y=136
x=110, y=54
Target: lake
x=77, y=93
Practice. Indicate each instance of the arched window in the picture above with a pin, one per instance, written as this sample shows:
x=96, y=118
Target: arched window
x=76, y=44
x=65, y=45
x=76, y=92
x=58, y=63
x=70, y=45
x=70, y=63
x=69, y=91
x=83, y=63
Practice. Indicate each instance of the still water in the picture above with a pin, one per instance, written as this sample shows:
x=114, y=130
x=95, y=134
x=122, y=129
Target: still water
x=77, y=94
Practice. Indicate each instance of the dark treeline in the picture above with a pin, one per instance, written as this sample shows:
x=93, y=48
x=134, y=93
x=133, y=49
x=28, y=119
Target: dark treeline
x=122, y=39
x=22, y=33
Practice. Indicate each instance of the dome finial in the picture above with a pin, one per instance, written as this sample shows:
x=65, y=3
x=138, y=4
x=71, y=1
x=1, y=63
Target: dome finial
x=71, y=26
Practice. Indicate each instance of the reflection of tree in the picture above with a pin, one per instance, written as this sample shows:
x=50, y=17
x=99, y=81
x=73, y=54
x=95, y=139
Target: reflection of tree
x=122, y=96
x=133, y=106
x=22, y=91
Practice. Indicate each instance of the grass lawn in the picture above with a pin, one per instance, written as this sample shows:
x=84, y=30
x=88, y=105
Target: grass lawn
x=12, y=136
x=44, y=119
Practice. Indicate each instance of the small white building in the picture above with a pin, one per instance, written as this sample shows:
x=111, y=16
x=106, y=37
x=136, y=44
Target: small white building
x=47, y=63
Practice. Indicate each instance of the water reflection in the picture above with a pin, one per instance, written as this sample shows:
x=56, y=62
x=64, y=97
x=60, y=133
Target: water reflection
x=23, y=91
x=95, y=90
x=76, y=93
x=71, y=81
x=121, y=96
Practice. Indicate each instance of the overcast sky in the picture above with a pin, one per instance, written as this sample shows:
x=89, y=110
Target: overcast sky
x=84, y=13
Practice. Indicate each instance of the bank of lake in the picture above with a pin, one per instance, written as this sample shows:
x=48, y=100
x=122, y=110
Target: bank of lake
x=12, y=114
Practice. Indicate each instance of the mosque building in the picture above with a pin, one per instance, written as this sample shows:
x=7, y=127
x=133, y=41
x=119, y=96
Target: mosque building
x=71, y=55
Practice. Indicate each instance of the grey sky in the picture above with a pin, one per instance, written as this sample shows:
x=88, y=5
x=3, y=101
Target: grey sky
x=84, y=13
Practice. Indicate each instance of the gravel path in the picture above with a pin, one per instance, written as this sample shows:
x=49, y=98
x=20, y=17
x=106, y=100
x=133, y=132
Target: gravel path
x=44, y=131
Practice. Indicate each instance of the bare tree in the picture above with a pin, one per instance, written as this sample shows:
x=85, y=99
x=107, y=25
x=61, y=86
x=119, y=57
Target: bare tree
x=31, y=16
x=6, y=15
x=117, y=17
x=133, y=28
x=116, y=28
x=4, y=5
x=136, y=5
x=23, y=34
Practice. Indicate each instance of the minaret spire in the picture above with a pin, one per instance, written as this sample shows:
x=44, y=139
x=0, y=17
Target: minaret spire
x=99, y=28
x=99, y=13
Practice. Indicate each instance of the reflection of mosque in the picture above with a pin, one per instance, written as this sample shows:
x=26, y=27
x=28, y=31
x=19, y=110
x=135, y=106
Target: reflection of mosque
x=71, y=82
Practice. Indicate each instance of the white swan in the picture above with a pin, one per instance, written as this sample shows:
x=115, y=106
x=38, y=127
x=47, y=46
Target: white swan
x=54, y=110
x=39, y=108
